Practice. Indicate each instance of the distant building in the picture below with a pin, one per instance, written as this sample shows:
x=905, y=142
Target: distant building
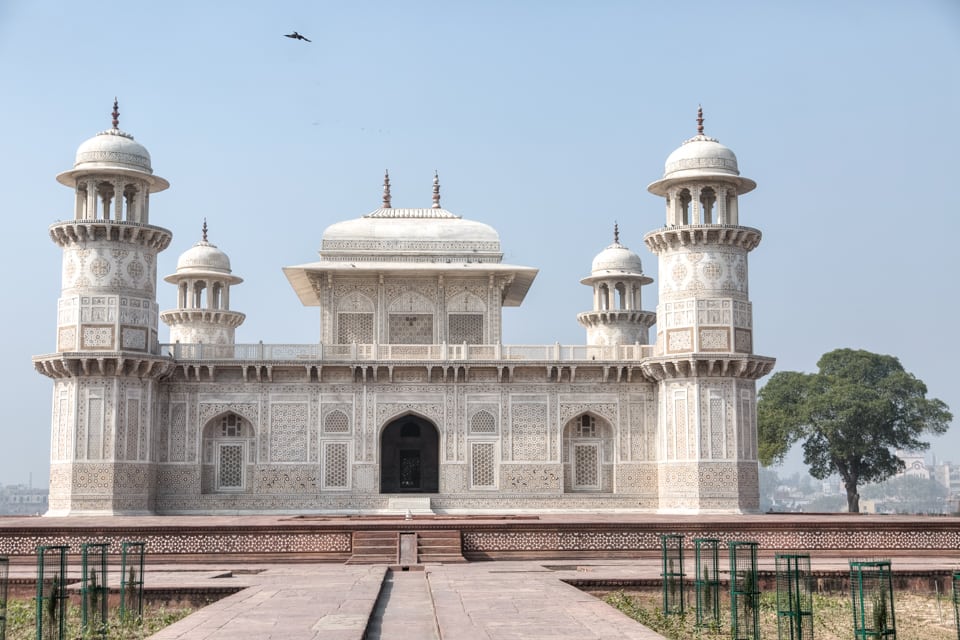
x=915, y=464
x=408, y=399
x=20, y=500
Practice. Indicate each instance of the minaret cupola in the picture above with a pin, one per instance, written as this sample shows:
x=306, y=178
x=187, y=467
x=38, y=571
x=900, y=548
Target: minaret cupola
x=113, y=177
x=616, y=277
x=701, y=182
x=203, y=279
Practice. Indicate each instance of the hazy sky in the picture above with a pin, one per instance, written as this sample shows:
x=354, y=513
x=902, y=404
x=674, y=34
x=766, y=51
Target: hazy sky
x=545, y=119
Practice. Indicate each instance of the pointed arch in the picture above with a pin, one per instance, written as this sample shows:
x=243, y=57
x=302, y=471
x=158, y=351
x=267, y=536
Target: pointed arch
x=228, y=453
x=409, y=455
x=588, y=454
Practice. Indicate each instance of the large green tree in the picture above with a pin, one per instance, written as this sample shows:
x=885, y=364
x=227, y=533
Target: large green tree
x=851, y=416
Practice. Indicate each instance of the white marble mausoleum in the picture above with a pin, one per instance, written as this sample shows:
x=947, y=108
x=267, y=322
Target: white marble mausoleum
x=408, y=399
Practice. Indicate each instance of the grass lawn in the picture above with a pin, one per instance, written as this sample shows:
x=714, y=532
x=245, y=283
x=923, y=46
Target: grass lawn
x=918, y=616
x=21, y=622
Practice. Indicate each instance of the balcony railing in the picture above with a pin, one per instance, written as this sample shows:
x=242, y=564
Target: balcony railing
x=399, y=352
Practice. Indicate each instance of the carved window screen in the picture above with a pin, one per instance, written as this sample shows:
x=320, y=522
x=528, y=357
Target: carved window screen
x=335, y=465
x=483, y=422
x=483, y=465
x=230, y=467
x=411, y=328
x=336, y=422
x=465, y=327
x=354, y=328
x=586, y=461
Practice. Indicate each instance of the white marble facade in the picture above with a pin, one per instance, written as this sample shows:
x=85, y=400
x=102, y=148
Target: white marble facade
x=409, y=392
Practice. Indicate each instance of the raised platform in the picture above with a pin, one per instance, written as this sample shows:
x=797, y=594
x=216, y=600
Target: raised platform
x=320, y=538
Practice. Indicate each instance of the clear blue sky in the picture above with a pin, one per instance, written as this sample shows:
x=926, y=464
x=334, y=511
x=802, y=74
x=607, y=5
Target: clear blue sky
x=545, y=119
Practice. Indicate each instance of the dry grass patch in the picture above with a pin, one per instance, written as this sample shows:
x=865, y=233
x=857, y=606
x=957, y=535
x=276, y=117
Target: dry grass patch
x=22, y=621
x=918, y=616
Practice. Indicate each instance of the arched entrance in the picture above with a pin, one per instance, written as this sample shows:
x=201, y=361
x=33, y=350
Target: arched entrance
x=409, y=456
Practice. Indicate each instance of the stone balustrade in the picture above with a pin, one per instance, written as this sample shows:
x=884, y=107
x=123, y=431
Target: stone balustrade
x=409, y=352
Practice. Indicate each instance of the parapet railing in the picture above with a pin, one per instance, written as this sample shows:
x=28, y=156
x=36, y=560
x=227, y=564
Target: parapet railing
x=394, y=352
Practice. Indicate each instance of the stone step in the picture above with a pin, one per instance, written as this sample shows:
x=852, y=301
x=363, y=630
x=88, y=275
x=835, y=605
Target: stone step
x=374, y=547
x=440, y=546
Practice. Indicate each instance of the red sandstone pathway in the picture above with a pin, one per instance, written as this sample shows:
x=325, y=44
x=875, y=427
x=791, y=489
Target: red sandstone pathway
x=476, y=601
x=502, y=600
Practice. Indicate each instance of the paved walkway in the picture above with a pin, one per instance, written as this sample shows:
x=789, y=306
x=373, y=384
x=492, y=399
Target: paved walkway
x=475, y=601
x=404, y=609
x=502, y=600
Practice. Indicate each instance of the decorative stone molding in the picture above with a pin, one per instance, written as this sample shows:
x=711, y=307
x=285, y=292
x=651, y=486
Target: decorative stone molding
x=668, y=238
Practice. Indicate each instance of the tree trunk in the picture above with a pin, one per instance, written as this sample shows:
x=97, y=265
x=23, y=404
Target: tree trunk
x=853, y=497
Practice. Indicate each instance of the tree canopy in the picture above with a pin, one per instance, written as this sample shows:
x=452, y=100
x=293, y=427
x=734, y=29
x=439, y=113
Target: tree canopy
x=851, y=417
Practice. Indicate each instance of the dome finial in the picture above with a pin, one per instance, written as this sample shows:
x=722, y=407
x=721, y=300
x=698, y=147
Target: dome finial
x=436, y=190
x=386, y=190
x=204, y=229
x=116, y=114
x=616, y=233
x=699, y=120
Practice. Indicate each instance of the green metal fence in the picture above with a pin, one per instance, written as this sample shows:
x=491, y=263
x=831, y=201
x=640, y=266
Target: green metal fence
x=707, y=582
x=744, y=591
x=871, y=592
x=956, y=601
x=672, y=560
x=51, y=592
x=93, y=589
x=4, y=583
x=131, y=580
x=794, y=597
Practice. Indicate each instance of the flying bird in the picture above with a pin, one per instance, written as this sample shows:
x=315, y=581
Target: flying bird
x=297, y=36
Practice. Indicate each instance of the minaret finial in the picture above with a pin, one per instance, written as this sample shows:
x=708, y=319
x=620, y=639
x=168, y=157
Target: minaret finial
x=116, y=114
x=204, y=229
x=386, y=190
x=436, y=190
x=699, y=120
x=616, y=233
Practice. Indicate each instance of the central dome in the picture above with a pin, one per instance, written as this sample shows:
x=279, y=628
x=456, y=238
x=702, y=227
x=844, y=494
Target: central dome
x=423, y=235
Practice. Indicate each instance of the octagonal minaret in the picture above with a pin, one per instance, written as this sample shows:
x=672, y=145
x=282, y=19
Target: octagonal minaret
x=107, y=362
x=616, y=277
x=704, y=359
x=203, y=279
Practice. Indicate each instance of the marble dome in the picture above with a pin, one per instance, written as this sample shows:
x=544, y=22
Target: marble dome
x=203, y=257
x=701, y=156
x=616, y=259
x=701, y=159
x=113, y=149
x=426, y=231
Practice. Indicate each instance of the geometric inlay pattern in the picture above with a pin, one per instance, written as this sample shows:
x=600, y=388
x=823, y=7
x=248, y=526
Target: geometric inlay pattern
x=97, y=337
x=336, y=422
x=354, y=328
x=714, y=339
x=529, y=431
x=413, y=328
x=288, y=432
x=586, y=466
x=335, y=465
x=483, y=422
x=679, y=340
x=483, y=465
x=230, y=469
x=464, y=327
